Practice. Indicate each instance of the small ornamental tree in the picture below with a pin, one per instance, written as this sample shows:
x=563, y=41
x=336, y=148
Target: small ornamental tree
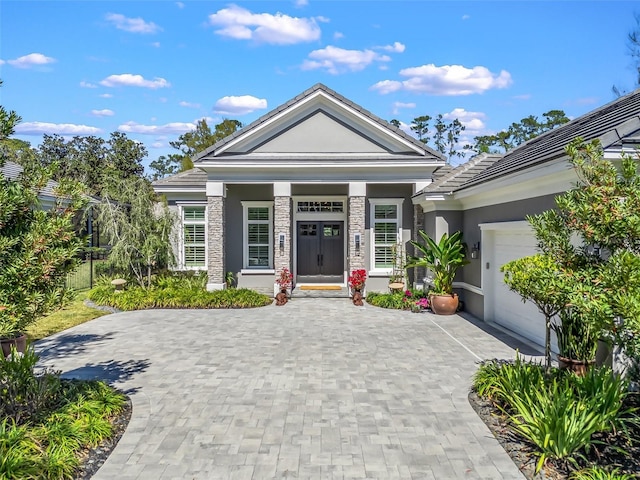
x=138, y=228
x=539, y=279
x=601, y=276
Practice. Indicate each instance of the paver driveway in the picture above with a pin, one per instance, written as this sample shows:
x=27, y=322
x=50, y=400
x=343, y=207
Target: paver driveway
x=316, y=389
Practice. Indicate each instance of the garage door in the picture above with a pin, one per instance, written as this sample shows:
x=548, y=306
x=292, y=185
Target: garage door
x=503, y=306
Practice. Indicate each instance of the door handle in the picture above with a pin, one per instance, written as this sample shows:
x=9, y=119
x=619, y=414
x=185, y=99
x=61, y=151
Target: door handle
x=322, y=260
x=318, y=259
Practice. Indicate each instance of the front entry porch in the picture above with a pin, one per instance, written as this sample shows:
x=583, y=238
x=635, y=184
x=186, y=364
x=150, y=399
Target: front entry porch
x=320, y=252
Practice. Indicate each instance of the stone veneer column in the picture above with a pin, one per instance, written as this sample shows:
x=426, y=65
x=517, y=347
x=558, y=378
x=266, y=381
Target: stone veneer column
x=215, y=235
x=282, y=224
x=418, y=224
x=356, y=220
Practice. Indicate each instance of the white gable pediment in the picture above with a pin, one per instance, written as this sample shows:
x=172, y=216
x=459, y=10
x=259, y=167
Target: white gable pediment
x=319, y=124
x=320, y=133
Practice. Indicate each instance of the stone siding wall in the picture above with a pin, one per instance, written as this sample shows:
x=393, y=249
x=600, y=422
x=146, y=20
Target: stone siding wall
x=215, y=225
x=356, y=222
x=282, y=224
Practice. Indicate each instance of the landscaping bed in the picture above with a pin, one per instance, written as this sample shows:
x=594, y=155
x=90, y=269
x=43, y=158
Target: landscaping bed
x=615, y=446
x=55, y=428
x=175, y=290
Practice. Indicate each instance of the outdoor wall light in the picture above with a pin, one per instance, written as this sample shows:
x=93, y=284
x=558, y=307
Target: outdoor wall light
x=475, y=251
x=357, y=242
x=281, y=238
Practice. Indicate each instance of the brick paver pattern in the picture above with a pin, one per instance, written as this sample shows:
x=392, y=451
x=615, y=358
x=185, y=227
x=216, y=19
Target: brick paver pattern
x=316, y=389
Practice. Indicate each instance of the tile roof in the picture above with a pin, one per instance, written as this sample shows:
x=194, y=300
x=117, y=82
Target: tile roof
x=453, y=178
x=610, y=123
x=189, y=178
x=300, y=97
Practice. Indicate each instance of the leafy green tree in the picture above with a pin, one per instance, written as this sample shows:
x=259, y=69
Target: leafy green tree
x=38, y=246
x=201, y=138
x=420, y=125
x=633, y=50
x=164, y=166
x=518, y=133
x=92, y=160
x=445, y=135
x=138, y=227
x=600, y=277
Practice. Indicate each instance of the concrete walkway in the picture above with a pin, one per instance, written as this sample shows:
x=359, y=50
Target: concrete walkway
x=315, y=389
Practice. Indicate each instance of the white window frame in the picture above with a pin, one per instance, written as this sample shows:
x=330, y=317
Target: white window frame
x=245, y=234
x=397, y=202
x=182, y=259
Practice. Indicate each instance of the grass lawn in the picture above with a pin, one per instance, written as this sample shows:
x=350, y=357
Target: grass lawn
x=73, y=314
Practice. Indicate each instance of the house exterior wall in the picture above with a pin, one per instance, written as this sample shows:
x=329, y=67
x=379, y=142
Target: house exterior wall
x=404, y=191
x=505, y=212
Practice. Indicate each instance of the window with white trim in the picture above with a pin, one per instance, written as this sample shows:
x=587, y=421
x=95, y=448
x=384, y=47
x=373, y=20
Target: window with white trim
x=258, y=235
x=386, y=229
x=194, y=247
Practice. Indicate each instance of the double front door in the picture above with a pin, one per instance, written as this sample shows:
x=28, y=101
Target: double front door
x=320, y=251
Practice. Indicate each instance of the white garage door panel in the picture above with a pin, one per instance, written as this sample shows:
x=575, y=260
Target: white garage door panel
x=510, y=311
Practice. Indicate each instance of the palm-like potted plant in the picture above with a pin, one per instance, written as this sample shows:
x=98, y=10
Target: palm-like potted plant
x=443, y=259
x=577, y=341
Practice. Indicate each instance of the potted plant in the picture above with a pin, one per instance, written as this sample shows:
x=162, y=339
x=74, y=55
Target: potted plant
x=284, y=281
x=577, y=341
x=357, y=280
x=443, y=259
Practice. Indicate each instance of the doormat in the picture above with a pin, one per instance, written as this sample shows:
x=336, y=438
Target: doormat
x=320, y=287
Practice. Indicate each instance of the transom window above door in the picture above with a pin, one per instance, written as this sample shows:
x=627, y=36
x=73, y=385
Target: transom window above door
x=320, y=207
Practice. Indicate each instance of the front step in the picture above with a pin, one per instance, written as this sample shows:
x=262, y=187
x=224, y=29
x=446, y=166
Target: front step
x=298, y=293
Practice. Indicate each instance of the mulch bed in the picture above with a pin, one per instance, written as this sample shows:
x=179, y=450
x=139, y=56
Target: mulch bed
x=95, y=457
x=603, y=455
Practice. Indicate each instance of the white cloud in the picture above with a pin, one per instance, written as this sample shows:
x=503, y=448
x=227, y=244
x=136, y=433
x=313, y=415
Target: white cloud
x=473, y=121
x=445, y=80
x=338, y=60
x=301, y=3
x=133, y=25
x=180, y=5
x=466, y=17
x=279, y=29
x=2, y=62
x=158, y=145
x=189, y=104
x=105, y=95
x=524, y=96
x=399, y=105
x=240, y=105
x=167, y=129
x=39, y=128
x=31, y=60
x=130, y=80
x=156, y=44
x=84, y=84
x=338, y=35
x=103, y=113
x=397, y=47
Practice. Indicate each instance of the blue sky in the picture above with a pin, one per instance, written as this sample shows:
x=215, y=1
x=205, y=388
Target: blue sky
x=152, y=69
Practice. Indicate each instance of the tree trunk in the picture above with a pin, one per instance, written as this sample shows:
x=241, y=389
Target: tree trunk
x=547, y=343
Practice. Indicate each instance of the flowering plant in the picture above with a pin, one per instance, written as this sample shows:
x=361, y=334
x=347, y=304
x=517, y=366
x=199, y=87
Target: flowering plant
x=284, y=278
x=423, y=302
x=357, y=279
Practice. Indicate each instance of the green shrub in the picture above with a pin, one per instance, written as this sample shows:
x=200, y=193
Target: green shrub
x=47, y=423
x=177, y=291
x=558, y=413
x=24, y=395
x=402, y=300
x=599, y=474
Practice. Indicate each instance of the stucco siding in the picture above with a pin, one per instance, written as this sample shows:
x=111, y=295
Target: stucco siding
x=234, y=240
x=504, y=212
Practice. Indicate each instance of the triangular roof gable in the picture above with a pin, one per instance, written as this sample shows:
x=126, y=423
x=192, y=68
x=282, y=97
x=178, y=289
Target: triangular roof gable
x=319, y=121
